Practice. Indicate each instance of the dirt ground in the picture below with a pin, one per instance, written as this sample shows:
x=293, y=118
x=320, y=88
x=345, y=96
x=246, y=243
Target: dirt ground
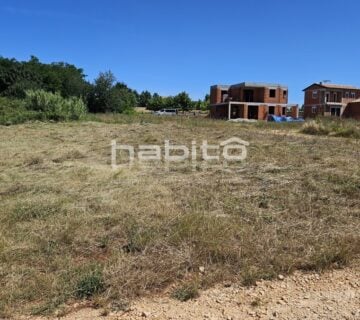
x=331, y=295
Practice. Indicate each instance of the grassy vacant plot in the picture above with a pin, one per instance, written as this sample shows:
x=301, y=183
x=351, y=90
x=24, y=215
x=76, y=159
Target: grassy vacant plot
x=73, y=228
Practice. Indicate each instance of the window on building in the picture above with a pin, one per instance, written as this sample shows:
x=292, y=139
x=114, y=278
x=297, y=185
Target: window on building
x=272, y=93
x=224, y=95
x=284, y=111
x=313, y=109
x=353, y=95
x=284, y=93
x=314, y=94
x=327, y=97
x=271, y=110
x=346, y=95
x=249, y=95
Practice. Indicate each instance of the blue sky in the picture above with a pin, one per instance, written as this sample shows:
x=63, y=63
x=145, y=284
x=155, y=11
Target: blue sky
x=169, y=46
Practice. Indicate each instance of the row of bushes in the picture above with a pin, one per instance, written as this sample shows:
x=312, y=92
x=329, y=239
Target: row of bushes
x=41, y=105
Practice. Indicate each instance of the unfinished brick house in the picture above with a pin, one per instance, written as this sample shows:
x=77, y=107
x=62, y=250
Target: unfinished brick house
x=249, y=101
x=325, y=99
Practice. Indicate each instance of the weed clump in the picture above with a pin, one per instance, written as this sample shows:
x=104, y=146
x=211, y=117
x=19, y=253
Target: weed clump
x=90, y=283
x=314, y=128
x=186, y=292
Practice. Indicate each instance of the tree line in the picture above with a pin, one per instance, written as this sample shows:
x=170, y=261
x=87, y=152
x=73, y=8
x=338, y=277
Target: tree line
x=104, y=94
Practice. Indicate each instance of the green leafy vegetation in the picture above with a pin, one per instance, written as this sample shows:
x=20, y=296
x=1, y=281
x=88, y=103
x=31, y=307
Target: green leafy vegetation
x=14, y=111
x=107, y=95
x=41, y=105
x=52, y=106
x=90, y=283
x=16, y=77
x=58, y=91
x=186, y=292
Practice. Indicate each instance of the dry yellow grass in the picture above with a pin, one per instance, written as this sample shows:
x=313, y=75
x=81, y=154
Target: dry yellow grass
x=73, y=228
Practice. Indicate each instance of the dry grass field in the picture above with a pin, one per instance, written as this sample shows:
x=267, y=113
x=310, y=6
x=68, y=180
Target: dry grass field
x=73, y=228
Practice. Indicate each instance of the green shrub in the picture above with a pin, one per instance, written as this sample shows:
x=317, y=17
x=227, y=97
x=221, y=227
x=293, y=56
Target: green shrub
x=129, y=111
x=13, y=111
x=186, y=292
x=41, y=105
x=54, y=107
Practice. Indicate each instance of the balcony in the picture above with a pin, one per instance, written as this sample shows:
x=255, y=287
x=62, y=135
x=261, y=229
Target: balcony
x=341, y=101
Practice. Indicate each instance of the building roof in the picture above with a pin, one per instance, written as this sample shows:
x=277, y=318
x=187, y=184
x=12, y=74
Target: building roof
x=221, y=86
x=259, y=85
x=332, y=86
x=251, y=85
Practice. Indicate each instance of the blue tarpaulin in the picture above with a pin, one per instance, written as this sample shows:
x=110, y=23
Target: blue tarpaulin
x=273, y=118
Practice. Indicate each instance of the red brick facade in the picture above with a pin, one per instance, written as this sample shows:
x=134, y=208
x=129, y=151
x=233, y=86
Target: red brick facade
x=215, y=95
x=328, y=99
x=249, y=101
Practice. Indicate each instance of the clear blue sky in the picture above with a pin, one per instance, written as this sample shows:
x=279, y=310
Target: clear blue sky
x=167, y=46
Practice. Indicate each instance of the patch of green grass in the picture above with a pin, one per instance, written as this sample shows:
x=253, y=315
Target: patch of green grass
x=91, y=282
x=27, y=211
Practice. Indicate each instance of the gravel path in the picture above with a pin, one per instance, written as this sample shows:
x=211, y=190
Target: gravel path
x=332, y=295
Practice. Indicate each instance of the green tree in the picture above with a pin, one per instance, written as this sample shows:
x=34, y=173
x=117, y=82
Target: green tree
x=207, y=99
x=107, y=95
x=183, y=101
x=100, y=97
x=197, y=105
x=18, y=77
x=15, y=78
x=157, y=102
x=145, y=99
x=170, y=102
x=122, y=98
